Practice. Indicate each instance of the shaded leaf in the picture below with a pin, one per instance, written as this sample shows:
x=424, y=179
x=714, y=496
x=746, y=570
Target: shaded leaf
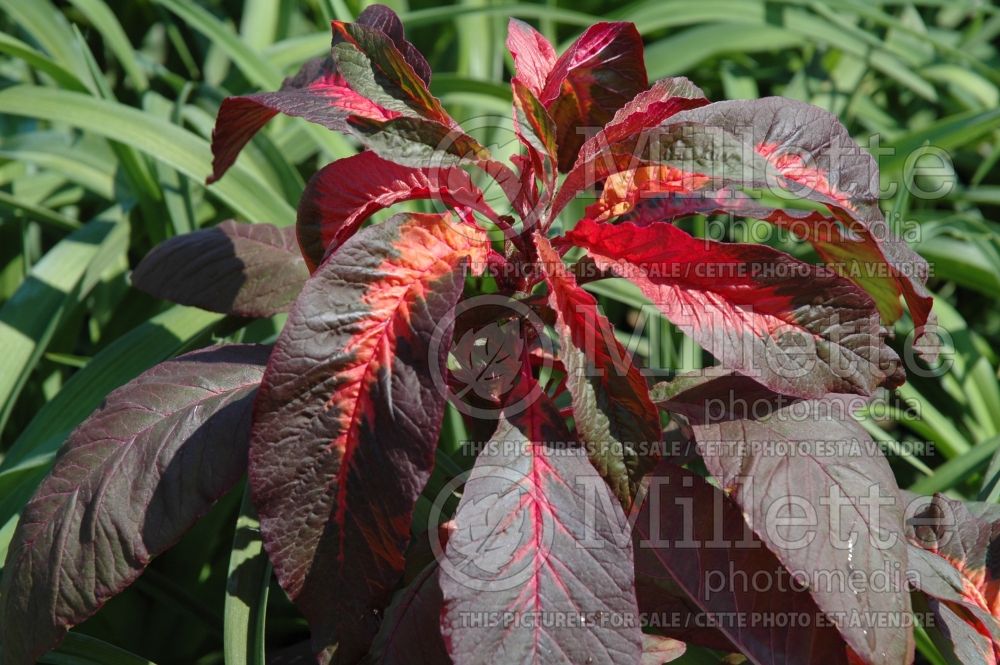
x=810, y=462
x=712, y=556
x=252, y=270
x=411, y=631
x=131, y=479
x=348, y=416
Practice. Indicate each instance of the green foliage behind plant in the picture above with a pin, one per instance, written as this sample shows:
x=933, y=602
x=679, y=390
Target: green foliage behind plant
x=105, y=114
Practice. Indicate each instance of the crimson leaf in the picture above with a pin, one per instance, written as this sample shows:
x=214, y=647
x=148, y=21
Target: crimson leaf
x=343, y=194
x=129, y=482
x=714, y=558
x=538, y=540
x=250, y=270
x=819, y=160
x=602, y=70
x=347, y=420
x=533, y=55
x=797, y=328
x=614, y=416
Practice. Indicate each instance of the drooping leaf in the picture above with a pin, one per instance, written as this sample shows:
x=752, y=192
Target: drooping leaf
x=522, y=549
x=131, y=479
x=613, y=414
x=601, y=71
x=317, y=93
x=250, y=270
x=711, y=555
x=411, y=631
x=348, y=416
x=797, y=328
x=534, y=56
x=811, y=466
x=343, y=194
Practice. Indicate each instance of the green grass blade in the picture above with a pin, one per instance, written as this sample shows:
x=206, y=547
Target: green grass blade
x=58, y=283
x=79, y=649
x=167, y=143
x=115, y=39
x=246, y=591
x=51, y=30
x=41, y=62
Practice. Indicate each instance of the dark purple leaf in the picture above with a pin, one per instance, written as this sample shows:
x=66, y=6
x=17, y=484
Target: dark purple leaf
x=691, y=533
x=252, y=270
x=811, y=466
x=129, y=482
x=411, y=631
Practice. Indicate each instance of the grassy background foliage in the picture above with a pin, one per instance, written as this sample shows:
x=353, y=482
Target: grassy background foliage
x=106, y=107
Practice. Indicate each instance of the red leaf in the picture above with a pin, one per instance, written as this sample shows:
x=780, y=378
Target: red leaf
x=714, y=558
x=647, y=110
x=241, y=269
x=596, y=76
x=533, y=55
x=317, y=93
x=797, y=328
x=523, y=557
x=614, y=416
x=348, y=416
x=129, y=482
x=820, y=161
x=344, y=193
